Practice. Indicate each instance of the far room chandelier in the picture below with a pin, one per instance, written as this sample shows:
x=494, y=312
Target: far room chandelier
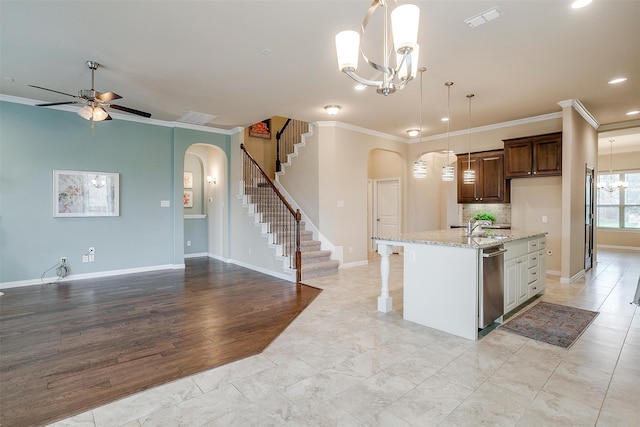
x=611, y=185
x=402, y=36
x=448, y=171
x=469, y=175
x=420, y=166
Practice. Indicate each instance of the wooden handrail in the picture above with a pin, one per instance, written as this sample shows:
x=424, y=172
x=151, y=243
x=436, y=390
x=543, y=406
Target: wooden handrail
x=278, y=137
x=286, y=230
x=264, y=175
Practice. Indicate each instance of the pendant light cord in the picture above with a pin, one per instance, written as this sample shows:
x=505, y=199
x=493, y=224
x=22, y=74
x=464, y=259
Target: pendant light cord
x=469, y=135
x=448, y=84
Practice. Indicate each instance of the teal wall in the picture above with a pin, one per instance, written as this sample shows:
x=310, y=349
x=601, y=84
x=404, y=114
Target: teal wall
x=35, y=141
x=195, y=231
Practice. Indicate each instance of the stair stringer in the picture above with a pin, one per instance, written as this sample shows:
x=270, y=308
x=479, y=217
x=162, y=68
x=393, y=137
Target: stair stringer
x=325, y=244
x=290, y=156
x=289, y=272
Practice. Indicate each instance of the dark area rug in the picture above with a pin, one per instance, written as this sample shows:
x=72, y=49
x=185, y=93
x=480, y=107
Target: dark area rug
x=551, y=323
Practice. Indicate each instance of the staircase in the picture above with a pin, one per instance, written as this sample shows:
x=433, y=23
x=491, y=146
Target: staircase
x=264, y=207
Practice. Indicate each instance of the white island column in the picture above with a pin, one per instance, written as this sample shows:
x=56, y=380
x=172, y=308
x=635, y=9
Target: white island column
x=385, y=301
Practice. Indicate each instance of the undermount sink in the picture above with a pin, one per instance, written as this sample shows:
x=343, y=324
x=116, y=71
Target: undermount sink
x=496, y=236
x=490, y=236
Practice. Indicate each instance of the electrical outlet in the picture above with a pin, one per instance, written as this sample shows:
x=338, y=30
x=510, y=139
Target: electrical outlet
x=85, y=258
x=188, y=242
x=63, y=260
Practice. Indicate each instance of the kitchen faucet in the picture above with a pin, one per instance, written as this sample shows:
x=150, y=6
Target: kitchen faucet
x=471, y=228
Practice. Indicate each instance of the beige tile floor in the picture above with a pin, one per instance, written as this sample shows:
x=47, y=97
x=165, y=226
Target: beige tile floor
x=341, y=363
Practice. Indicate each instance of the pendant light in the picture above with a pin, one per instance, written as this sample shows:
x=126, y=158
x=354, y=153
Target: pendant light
x=469, y=176
x=420, y=166
x=610, y=185
x=448, y=172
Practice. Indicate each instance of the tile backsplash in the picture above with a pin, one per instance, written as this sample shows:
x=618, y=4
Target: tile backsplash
x=502, y=211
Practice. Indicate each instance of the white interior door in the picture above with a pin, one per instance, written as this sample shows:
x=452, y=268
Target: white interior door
x=387, y=207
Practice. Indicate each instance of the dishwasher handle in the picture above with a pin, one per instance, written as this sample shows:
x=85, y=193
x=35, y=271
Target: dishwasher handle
x=492, y=254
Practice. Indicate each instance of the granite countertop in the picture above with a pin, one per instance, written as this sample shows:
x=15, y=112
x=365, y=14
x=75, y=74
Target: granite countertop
x=457, y=238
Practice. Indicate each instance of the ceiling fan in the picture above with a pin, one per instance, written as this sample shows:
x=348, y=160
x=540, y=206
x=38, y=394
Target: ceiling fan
x=94, y=102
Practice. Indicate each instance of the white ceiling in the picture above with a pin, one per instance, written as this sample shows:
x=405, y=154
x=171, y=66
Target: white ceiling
x=169, y=57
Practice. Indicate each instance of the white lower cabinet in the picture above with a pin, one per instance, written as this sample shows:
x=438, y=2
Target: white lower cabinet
x=525, y=270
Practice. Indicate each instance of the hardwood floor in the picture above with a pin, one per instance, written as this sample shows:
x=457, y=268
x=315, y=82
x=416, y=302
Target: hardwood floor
x=70, y=346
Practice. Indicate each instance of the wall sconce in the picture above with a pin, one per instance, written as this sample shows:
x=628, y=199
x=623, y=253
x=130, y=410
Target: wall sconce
x=211, y=179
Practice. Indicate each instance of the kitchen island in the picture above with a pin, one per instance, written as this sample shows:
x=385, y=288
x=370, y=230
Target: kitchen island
x=443, y=275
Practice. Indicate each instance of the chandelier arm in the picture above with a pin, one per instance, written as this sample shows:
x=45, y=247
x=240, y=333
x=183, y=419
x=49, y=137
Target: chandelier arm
x=351, y=73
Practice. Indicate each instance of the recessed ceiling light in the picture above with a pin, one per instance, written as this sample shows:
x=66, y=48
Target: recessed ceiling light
x=360, y=87
x=617, y=80
x=444, y=119
x=579, y=4
x=633, y=113
x=413, y=132
x=265, y=51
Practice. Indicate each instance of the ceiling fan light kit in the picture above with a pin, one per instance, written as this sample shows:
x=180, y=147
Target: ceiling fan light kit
x=94, y=102
x=403, y=35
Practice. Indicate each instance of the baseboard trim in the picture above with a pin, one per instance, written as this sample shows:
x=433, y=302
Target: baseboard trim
x=99, y=274
x=282, y=276
x=219, y=258
x=625, y=248
x=196, y=255
x=554, y=273
x=579, y=275
x=354, y=264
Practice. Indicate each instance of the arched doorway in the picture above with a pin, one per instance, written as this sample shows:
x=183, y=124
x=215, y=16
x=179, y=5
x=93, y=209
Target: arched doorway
x=204, y=201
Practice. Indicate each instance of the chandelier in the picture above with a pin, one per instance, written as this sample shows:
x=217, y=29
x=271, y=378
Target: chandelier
x=402, y=36
x=610, y=185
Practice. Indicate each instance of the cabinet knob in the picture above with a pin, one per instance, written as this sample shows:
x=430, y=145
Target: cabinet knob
x=529, y=173
x=535, y=173
x=480, y=198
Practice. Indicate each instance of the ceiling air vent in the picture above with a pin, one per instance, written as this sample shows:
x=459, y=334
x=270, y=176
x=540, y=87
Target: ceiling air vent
x=484, y=17
x=195, y=118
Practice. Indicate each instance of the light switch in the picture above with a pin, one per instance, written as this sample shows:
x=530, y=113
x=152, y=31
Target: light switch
x=165, y=204
x=341, y=203
x=544, y=219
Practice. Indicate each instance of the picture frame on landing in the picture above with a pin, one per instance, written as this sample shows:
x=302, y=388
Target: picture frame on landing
x=261, y=129
x=85, y=194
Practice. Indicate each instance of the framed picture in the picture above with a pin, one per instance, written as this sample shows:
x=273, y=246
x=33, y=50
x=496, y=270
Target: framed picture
x=188, y=180
x=80, y=193
x=261, y=129
x=188, y=199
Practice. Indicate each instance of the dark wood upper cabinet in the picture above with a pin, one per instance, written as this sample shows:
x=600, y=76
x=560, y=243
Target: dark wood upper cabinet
x=491, y=185
x=531, y=156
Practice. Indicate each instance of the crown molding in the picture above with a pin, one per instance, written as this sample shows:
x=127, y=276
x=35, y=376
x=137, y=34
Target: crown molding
x=124, y=117
x=582, y=110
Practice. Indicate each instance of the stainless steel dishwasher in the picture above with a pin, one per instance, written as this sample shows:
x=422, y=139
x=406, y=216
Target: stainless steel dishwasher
x=492, y=287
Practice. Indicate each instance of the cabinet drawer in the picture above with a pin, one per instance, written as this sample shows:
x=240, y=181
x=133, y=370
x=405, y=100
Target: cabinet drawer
x=533, y=260
x=542, y=244
x=533, y=245
x=535, y=288
x=532, y=275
